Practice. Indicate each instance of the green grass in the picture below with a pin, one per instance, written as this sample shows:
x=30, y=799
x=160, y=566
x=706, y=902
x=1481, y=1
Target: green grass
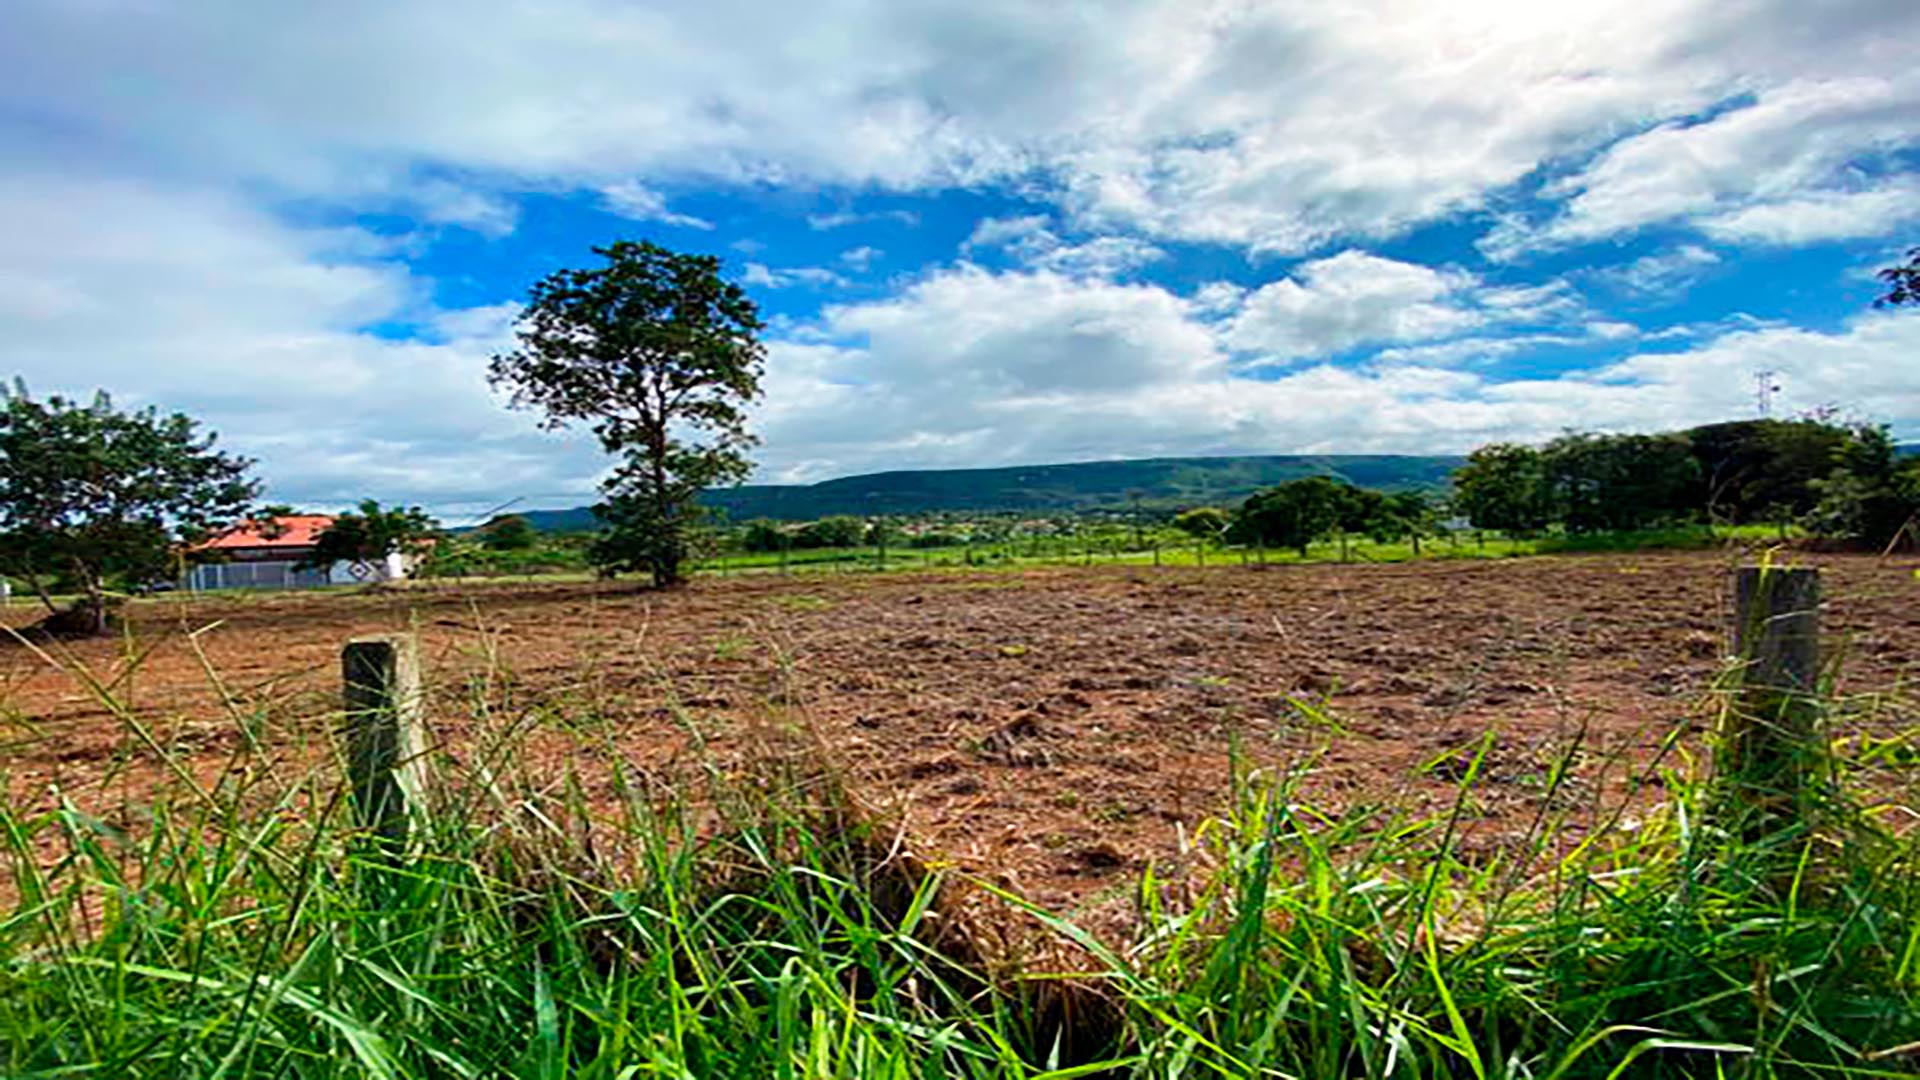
x=749, y=922
x=1169, y=551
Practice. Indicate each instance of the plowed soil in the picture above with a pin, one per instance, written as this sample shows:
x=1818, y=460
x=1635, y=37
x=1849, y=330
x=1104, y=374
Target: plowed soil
x=1056, y=729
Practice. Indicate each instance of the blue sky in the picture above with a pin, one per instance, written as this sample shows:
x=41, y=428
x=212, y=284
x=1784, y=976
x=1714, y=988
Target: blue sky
x=983, y=233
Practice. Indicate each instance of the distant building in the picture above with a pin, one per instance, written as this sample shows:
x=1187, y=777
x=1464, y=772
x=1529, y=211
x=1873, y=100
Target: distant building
x=270, y=554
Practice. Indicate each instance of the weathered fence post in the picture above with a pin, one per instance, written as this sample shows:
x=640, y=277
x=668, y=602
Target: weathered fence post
x=1769, y=744
x=381, y=677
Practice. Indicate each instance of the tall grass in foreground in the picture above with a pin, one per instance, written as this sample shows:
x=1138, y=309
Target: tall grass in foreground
x=752, y=923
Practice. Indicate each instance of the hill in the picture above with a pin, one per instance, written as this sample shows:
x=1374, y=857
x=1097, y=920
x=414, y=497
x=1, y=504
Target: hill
x=1092, y=485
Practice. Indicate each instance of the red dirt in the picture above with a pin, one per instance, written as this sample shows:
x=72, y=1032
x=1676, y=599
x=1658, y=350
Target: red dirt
x=1055, y=729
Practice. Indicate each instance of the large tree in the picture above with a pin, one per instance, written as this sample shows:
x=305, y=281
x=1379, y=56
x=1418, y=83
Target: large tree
x=1872, y=496
x=1295, y=514
x=372, y=534
x=660, y=357
x=90, y=494
x=1504, y=486
x=508, y=532
x=1604, y=483
x=1762, y=470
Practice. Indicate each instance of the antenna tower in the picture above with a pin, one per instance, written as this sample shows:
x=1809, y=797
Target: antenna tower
x=1764, y=387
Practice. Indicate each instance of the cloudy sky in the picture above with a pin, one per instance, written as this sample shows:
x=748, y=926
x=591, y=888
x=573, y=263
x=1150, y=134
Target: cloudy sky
x=983, y=232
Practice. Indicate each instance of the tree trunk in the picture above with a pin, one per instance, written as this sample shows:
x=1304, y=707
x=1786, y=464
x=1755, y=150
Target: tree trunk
x=666, y=563
x=85, y=617
x=94, y=611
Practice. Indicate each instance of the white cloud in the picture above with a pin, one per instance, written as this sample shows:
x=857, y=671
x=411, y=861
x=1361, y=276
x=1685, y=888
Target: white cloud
x=842, y=218
x=1821, y=215
x=1865, y=368
x=194, y=301
x=786, y=277
x=631, y=199
x=1350, y=300
x=970, y=367
x=1030, y=240
x=197, y=302
x=1014, y=233
x=443, y=202
x=1786, y=168
x=1274, y=127
x=1664, y=275
x=860, y=258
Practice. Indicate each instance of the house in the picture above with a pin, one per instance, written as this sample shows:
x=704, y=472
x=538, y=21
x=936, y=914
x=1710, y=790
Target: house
x=269, y=555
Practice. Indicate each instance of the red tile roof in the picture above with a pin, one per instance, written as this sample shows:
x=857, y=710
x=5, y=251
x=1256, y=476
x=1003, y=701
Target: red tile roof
x=293, y=531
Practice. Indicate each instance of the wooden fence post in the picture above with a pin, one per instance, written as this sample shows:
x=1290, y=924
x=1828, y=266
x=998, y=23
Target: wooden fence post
x=1770, y=744
x=381, y=678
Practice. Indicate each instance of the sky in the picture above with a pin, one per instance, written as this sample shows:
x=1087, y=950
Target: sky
x=981, y=232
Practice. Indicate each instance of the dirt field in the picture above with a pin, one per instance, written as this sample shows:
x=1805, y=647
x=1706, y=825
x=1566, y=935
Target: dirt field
x=1056, y=728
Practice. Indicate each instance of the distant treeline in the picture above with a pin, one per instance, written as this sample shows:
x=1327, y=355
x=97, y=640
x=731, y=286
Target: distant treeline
x=1843, y=482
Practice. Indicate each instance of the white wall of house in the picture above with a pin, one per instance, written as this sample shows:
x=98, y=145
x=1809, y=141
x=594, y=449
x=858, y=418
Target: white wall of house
x=254, y=574
x=392, y=568
x=286, y=574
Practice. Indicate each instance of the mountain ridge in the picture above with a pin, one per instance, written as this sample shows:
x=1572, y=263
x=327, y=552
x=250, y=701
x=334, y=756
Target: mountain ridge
x=1156, y=483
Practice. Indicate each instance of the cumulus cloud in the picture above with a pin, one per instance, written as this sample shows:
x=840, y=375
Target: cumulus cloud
x=1815, y=216
x=972, y=367
x=1295, y=130
x=197, y=302
x=1273, y=127
x=1793, y=166
x=1334, y=305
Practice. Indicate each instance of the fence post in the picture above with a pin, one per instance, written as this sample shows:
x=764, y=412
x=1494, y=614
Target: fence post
x=381, y=680
x=1769, y=745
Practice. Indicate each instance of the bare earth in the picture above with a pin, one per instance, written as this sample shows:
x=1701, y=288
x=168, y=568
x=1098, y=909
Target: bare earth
x=1053, y=729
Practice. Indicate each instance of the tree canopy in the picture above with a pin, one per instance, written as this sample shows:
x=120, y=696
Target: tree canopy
x=373, y=534
x=1504, y=486
x=659, y=356
x=1205, y=522
x=90, y=494
x=1295, y=514
x=508, y=532
x=1839, y=482
x=1609, y=483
